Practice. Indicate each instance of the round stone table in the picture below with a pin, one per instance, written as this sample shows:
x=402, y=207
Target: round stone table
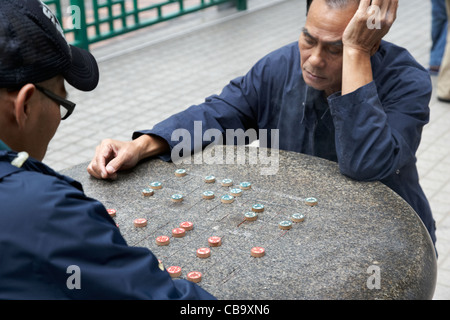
x=360, y=241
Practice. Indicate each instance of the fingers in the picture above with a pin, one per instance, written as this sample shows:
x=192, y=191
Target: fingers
x=387, y=9
x=392, y=11
x=370, y=24
x=379, y=12
x=112, y=155
x=364, y=4
x=116, y=164
x=100, y=166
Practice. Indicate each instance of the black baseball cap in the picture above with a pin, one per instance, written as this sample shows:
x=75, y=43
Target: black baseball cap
x=33, y=48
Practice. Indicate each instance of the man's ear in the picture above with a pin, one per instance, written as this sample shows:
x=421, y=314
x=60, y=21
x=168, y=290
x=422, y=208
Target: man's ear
x=21, y=104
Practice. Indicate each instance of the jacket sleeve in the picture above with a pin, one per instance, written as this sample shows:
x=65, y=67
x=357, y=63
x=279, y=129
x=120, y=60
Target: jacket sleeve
x=378, y=133
x=78, y=232
x=240, y=105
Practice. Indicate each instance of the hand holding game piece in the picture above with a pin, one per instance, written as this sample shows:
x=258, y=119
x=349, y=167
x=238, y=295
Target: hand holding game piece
x=113, y=155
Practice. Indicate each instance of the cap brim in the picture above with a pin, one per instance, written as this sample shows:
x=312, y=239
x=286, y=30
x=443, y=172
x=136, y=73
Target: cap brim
x=83, y=73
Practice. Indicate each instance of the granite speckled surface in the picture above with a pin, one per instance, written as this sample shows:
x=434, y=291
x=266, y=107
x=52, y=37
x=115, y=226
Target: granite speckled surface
x=356, y=228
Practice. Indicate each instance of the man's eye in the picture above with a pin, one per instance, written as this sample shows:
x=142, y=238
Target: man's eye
x=309, y=41
x=334, y=50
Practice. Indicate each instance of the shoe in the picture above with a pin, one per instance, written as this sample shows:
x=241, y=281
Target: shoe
x=443, y=100
x=434, y=70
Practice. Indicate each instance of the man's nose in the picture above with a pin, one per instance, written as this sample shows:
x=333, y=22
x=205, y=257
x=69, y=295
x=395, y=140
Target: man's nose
x=317, y=57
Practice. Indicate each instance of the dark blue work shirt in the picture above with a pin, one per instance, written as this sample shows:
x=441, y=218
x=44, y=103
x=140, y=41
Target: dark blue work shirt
x=373, y=133
x=54, y=238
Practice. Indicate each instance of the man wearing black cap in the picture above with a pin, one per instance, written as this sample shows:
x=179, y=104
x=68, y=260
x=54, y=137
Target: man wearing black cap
x=55, y=243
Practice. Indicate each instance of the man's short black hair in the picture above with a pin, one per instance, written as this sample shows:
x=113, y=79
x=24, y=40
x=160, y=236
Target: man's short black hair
x=308, y=4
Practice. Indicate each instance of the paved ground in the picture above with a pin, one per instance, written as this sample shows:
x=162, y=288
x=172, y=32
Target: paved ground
x=156, y=72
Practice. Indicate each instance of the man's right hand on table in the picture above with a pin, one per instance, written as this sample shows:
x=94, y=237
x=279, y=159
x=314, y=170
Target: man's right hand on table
x=112, y=156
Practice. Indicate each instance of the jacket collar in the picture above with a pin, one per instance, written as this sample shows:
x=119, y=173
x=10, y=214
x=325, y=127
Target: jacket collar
x=309, y=117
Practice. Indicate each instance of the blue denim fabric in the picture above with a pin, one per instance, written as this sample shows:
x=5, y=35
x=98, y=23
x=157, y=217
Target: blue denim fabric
x=438, y=31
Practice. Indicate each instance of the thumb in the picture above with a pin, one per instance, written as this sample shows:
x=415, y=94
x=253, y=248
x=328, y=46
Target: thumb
x=110, y=168
x=113, y=166
x=121, y=160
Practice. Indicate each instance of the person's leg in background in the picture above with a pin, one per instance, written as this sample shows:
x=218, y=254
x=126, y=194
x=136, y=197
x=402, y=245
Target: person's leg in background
x=443, y=86
x=439, y=23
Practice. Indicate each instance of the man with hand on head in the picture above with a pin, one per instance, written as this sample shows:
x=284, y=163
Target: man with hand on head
x=56, y=243
x=340, y=93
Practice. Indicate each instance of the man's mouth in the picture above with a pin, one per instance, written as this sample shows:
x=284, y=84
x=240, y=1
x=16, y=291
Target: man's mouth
x=314, y=76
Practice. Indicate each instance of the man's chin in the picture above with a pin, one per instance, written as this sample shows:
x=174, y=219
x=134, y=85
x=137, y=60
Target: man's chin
x=320, y=86
x=313, y=84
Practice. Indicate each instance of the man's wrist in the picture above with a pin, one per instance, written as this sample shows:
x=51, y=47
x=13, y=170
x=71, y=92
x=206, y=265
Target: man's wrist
x=150, y=145
x=356, y=69
x=356, y=52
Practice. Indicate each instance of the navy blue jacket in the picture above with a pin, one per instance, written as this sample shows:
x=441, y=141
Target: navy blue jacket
x=47, y=225
x=373, y=133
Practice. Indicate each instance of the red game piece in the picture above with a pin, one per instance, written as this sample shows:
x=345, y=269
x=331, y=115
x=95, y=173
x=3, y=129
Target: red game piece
x=194, y=276
x=139, y=223
x=214, y=241
x=162, y=240
x=174, y=271
x=257, y=252
x=178, y=232
x=111, y=212
x=203, y=253
x=187, y=225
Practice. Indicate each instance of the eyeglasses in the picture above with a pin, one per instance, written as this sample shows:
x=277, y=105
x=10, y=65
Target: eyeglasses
x=66, y=106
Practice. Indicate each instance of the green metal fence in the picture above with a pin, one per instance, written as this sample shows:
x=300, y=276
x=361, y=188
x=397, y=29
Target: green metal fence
x=89, y=21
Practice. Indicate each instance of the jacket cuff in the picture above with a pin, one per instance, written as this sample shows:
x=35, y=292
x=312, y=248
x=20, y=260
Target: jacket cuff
x=357, y=97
